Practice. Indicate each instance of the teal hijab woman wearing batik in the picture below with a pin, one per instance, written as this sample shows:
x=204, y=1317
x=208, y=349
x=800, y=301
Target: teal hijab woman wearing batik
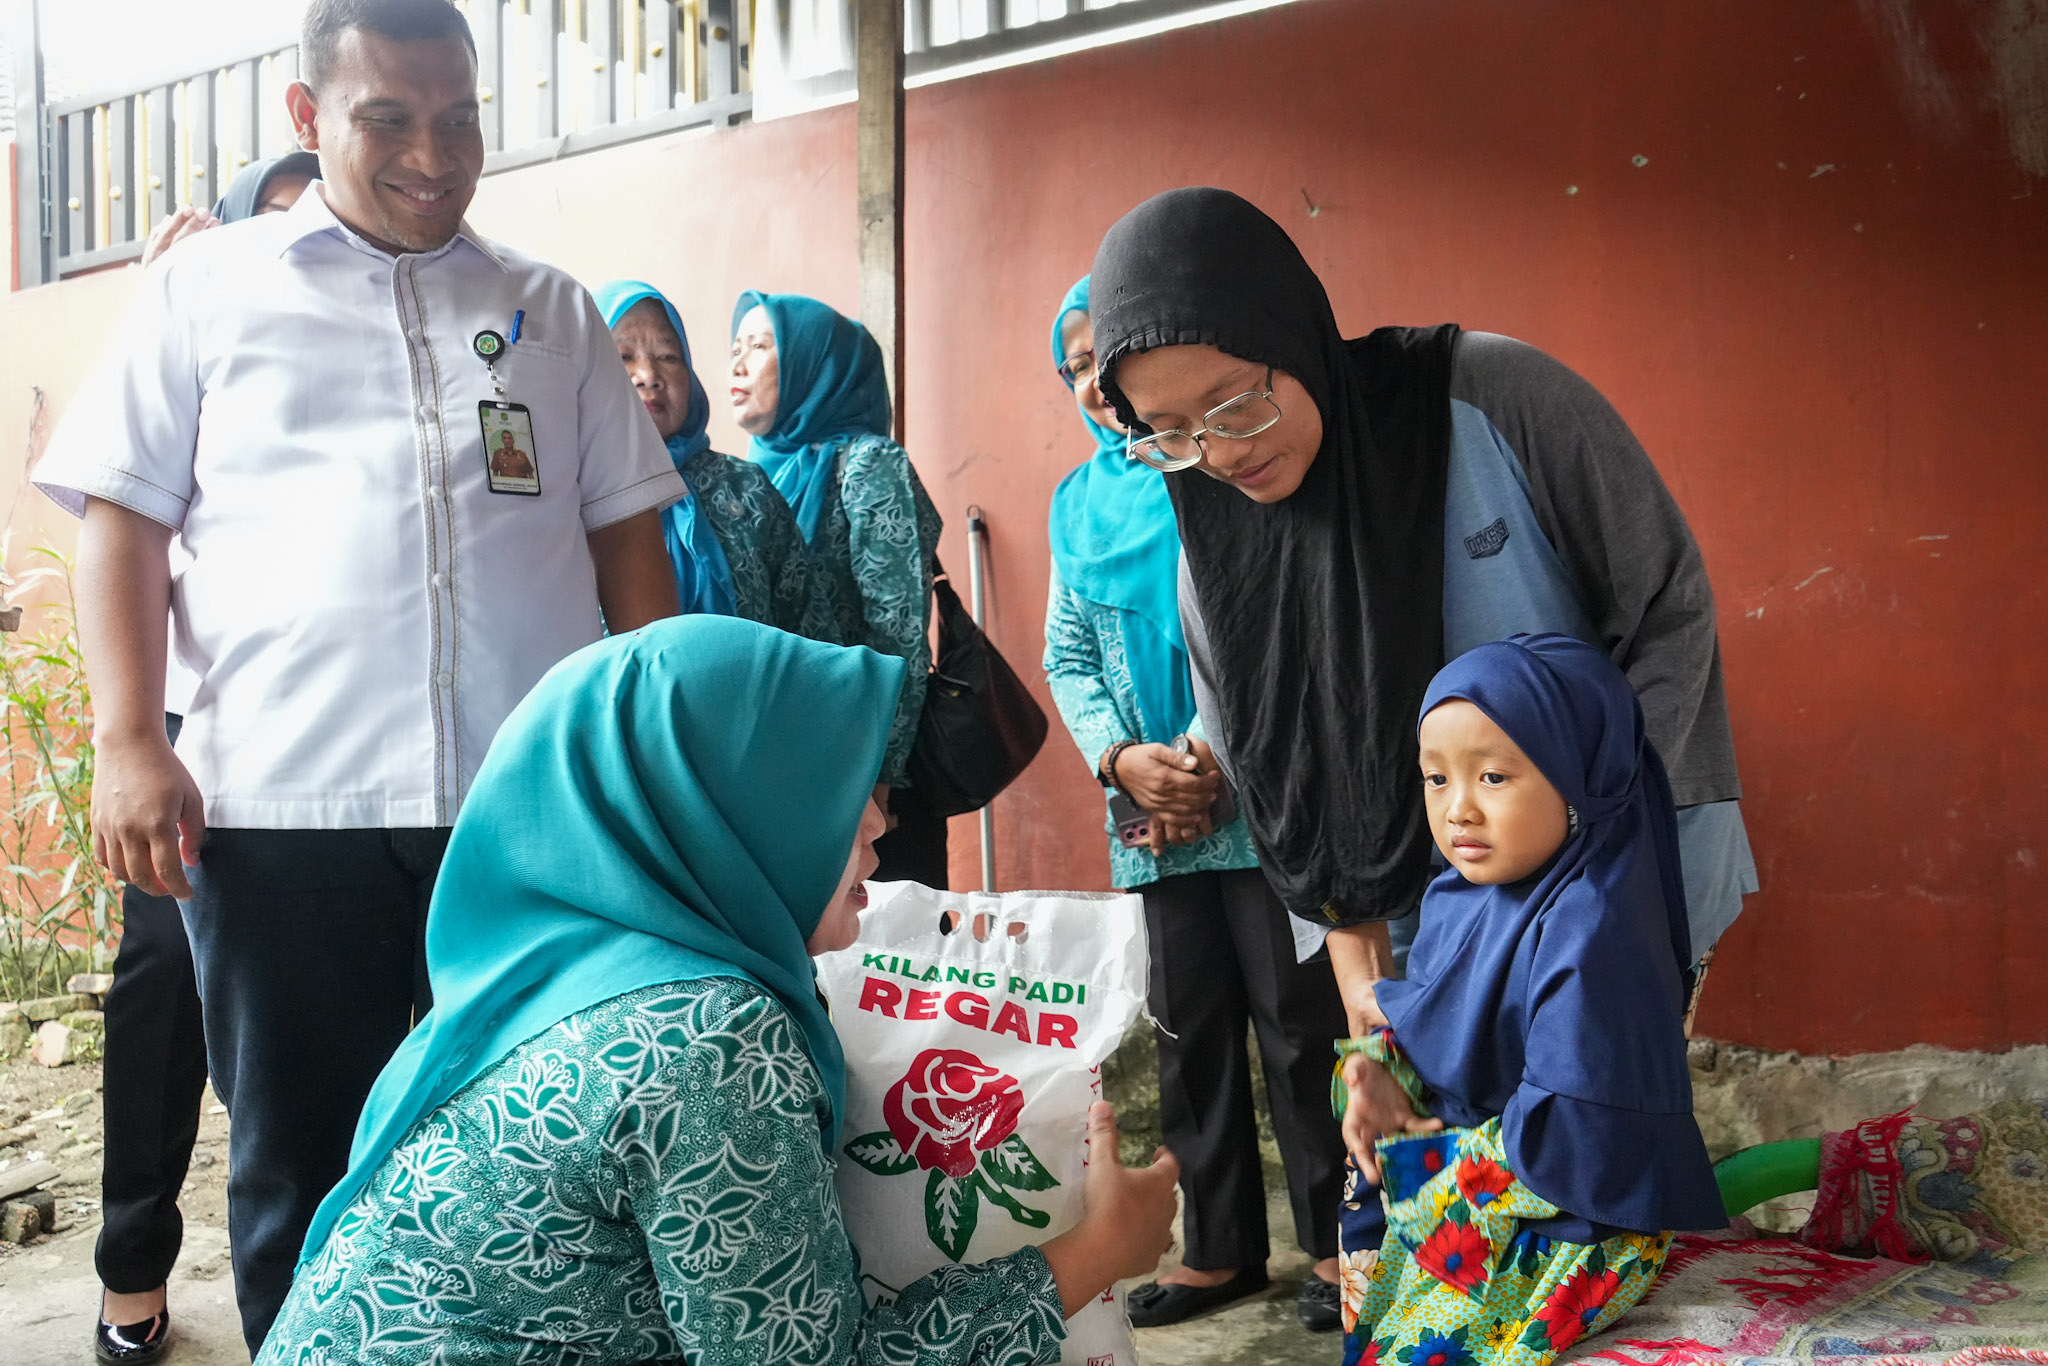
x=1223, y=957
x=807, y=386
x=608, y=1140
x=734, y=544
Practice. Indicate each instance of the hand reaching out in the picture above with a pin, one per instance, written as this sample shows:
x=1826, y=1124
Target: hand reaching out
x=1128, y=1223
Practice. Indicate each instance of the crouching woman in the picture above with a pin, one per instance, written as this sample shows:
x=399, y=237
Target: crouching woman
x=608, y=1141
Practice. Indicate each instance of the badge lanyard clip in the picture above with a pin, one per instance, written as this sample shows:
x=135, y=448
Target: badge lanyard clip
x=489, y=345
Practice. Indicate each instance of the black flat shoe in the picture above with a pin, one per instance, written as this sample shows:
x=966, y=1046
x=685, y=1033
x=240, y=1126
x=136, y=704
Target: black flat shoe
x=1153, y=1305
x=133, y=1344
x=1316, y=1305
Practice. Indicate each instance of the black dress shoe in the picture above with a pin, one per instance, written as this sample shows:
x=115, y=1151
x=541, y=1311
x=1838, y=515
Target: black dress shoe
x=1153, y=1305
x=1317, y=1305
x=133, y=1344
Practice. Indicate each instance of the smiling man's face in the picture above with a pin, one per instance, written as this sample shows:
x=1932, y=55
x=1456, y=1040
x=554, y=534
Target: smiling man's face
x=395, y=123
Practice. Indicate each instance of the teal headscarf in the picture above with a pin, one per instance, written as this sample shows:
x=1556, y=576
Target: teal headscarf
x=831, y=388
x=703, y=575
x=671, y=804
x=1115, y=542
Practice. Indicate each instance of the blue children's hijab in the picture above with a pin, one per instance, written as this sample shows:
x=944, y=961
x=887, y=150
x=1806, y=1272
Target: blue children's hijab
x=1557, y=1002
x=831, y=387
x=1115, y=543
x=668, y=805
x=703, y=574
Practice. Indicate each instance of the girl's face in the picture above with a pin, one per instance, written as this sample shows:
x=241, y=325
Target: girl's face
x=840, y=925
x=653, y=356
x=1171, y=388
x=756, y=381
x=1491, y=811
x=1077, y=347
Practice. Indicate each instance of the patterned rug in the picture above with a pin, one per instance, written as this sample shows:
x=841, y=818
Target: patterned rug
x=1725, y=1299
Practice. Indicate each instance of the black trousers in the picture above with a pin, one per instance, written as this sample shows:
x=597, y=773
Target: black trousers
x=1222, y=956
x=915, y=851
x=309, y=946
x=155, y=1078
x=155, y=1065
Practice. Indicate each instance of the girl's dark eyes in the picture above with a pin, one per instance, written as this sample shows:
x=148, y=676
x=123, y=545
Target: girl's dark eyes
x=1433, y=780
x=1493, y=779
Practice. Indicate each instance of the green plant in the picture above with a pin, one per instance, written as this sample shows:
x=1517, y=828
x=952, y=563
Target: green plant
x=58, y=907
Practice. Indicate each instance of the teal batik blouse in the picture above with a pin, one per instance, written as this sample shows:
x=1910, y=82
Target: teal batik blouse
x=878, y=536
x=1090, y=677
x=772, y=577
x=644, y=1182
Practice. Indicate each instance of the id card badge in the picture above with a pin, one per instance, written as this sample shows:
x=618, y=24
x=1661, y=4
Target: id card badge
x=510, y=456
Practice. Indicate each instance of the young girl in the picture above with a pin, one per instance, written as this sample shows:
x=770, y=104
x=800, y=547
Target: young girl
x=1528, y=1113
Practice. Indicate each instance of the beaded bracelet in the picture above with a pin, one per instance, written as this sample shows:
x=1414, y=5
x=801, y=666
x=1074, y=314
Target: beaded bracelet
x=1105, y=772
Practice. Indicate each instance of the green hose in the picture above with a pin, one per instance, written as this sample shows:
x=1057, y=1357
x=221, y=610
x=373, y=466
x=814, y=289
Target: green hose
x=1767, y=1171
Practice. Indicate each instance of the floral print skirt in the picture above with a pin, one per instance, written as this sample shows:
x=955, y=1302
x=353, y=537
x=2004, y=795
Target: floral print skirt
x=1459, y=1281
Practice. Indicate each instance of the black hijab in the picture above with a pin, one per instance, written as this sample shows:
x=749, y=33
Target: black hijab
x=1324, y=611
x=245, y=191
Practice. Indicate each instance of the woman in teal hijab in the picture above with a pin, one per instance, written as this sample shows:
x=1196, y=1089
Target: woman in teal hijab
x=807, y=386
x=612, y=1131
x=1222, y=954
x=735, y=547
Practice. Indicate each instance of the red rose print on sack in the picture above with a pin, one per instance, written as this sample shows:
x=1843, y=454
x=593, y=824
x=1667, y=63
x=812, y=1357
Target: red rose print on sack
x=951, y=1107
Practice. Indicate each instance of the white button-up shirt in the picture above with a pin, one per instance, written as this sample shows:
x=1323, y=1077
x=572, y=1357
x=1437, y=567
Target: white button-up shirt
x=360, y=609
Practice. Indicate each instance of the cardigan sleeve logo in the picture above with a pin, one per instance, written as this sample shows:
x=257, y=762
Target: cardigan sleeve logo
x=1488, y=540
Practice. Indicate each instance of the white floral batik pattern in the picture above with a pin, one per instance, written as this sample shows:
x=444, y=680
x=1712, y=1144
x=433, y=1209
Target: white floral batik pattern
x=1089, y=672
x=645, y=1182
x=877, y=538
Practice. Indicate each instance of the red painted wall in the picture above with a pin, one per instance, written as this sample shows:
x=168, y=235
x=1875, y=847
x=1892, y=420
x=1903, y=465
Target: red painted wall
x=1806, y=260
x=1819, y=299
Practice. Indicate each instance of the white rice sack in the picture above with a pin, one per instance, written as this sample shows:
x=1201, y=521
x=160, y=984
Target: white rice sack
x=975, y=1028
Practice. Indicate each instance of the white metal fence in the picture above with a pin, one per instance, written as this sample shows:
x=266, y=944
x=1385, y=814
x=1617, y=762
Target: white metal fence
x=556, y=77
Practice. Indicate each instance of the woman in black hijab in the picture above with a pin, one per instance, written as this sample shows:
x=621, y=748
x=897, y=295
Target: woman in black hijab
x=155, y=1051
x=1367, y=509
x=269, y=186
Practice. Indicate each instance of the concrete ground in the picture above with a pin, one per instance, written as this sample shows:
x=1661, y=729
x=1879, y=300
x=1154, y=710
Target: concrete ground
x=49, y=1291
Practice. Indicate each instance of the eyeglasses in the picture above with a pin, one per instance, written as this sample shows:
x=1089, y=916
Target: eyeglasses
x=1236, y=419
x=1076, y=369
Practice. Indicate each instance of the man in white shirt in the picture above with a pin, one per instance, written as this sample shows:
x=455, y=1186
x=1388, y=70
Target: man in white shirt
x=302, y=398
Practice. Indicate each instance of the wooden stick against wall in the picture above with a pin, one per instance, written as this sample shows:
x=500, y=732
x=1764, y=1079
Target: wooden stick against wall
x=878, y=35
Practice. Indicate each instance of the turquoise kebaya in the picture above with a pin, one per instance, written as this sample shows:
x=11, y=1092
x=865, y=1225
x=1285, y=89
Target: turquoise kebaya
x=834, y=368
x=704, y=581
x=1115, y=542
x=674, y=804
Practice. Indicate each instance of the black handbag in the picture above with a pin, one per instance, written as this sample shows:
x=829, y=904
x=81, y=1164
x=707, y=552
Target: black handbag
x=980, y=726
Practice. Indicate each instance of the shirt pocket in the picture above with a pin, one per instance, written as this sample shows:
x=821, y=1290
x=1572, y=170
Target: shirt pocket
x=547, y=381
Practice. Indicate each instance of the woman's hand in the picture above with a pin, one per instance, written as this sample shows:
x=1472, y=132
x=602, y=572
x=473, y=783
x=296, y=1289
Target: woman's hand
x=1127, y=1225
x=175, y=228
x=1361, y=956
x=1166, y=783
x=1376, y=1106
x=1167, y=830
x=1178, y=830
